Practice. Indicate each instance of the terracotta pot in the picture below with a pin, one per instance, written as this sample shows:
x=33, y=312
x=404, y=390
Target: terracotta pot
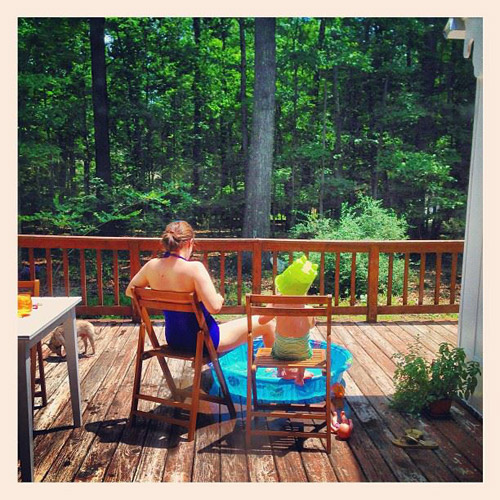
x=439, y=408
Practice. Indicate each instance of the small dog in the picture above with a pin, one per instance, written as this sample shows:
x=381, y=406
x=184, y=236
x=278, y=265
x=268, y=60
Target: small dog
x=84, y=330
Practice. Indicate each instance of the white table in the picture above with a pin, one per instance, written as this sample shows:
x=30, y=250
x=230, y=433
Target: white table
x=51, y=312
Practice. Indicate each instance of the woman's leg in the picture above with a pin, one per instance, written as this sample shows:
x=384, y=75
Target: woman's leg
x=234, y=333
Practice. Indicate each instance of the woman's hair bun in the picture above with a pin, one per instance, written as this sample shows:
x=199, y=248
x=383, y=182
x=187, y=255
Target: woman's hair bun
x=176, y=234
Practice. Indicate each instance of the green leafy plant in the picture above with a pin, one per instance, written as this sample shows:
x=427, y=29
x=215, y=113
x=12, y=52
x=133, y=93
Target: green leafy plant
x=419, y=382
x=367, y=219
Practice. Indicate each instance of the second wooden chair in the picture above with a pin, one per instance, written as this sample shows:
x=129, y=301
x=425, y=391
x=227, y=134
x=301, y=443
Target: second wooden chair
x=321, y=359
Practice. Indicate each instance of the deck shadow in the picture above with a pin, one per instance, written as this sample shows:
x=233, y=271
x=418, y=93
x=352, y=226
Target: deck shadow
x=159, y=434
x=54, y=359
x=42, y=432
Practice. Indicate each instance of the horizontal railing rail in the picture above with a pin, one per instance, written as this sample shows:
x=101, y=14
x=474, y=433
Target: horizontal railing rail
x=99, y=269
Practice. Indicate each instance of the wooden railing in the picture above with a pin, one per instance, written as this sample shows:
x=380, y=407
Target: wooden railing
x=105, y=265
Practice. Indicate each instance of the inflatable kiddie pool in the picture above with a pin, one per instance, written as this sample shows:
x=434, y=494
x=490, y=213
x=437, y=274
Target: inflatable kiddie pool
x=273, y=389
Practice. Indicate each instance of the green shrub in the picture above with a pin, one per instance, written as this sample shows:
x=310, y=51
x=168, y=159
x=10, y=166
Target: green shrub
x=366, y=220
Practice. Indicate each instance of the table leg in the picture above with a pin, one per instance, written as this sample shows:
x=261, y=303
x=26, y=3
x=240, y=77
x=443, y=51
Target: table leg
x=24, y=412
x=71, y=347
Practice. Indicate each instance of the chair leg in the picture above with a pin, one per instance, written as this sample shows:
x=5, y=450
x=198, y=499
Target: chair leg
x=195, y=398
x=164, y=368
x=328, y=420
x=137, y=375
x=248, y=419
x=250, y=386
x=254, y=385
x=33, y=373
x=222, y=380
x=170, y=380
x=224, y=388
x=328, y=403
x=328, y=441
x=251, y=403
x=41, y=371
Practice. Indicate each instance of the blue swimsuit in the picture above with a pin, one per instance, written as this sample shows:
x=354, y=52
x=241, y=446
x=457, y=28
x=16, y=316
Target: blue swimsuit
x=181, y=328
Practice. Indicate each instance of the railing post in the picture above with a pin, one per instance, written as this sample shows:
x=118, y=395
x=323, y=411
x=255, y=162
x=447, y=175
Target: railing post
x=257, y=266
x=372, y=295
x=135, y=266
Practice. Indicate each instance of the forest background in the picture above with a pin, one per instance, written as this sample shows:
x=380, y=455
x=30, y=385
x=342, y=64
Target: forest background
x=128, y=123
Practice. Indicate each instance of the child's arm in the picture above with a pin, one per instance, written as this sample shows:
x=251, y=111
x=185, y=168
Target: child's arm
x=312, y=321
x=266, y=319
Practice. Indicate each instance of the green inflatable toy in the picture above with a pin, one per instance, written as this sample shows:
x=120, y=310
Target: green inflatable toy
x=297, y=278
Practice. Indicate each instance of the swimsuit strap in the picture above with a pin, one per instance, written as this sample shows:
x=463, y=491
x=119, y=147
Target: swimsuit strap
x=168, y=254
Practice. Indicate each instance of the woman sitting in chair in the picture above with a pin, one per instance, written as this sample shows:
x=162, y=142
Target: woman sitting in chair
x=174, y=272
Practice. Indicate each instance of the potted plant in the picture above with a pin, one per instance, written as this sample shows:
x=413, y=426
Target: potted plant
x=431, y=386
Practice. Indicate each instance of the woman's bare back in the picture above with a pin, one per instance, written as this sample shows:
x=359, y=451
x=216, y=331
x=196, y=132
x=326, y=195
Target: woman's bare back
x=172, y=274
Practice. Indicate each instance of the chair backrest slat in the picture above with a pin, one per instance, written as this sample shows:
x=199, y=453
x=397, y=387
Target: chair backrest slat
x=156, y=306
x=164, y=296
x=288, y=299
x=33, y=285
x=153, y=301
x=279, y=311
x=276, y=305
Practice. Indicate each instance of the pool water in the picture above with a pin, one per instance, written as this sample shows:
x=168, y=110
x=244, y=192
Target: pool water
x=271, y=388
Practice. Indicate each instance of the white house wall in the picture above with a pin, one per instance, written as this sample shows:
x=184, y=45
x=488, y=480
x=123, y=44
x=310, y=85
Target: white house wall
x=470, y=324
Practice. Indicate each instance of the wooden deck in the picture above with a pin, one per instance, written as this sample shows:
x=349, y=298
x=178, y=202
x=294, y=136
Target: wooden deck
x=103, y=449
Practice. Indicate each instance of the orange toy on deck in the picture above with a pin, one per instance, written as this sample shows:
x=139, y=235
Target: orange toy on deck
x=343, y=429
x=338, y=390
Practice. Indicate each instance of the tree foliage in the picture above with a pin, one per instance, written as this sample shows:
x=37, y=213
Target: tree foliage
x=376, y=106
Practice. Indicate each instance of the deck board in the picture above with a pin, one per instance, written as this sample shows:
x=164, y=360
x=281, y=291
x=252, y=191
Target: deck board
x=104, y=449
x=233, y=453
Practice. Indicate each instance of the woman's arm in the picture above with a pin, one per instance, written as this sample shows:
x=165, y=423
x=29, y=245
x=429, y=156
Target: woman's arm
x=205, y=289
x=140, y=280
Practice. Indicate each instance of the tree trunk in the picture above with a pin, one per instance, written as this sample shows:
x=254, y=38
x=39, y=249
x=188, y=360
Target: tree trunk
x=225, y=176
x=100, y=100
x=323, y=144
x=72, y=168
x=380, y=130
x=258, y=180
x=87, y=155
x=197, y=157
x=337, y=149
x=317, y=73
x=224, y=131
x=243, y=95
x=306, y=170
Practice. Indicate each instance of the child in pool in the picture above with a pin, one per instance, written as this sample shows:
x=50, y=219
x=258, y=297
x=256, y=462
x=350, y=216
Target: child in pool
x=292, y=332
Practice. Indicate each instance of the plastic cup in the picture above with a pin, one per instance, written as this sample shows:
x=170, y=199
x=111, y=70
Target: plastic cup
x=24, y=304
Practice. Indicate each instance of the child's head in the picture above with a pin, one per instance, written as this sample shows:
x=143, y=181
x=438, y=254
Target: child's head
x=297, y=278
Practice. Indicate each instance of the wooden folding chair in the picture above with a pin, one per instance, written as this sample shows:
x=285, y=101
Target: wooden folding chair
x=321, y=358
x=147, y=300
x=33, y=286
